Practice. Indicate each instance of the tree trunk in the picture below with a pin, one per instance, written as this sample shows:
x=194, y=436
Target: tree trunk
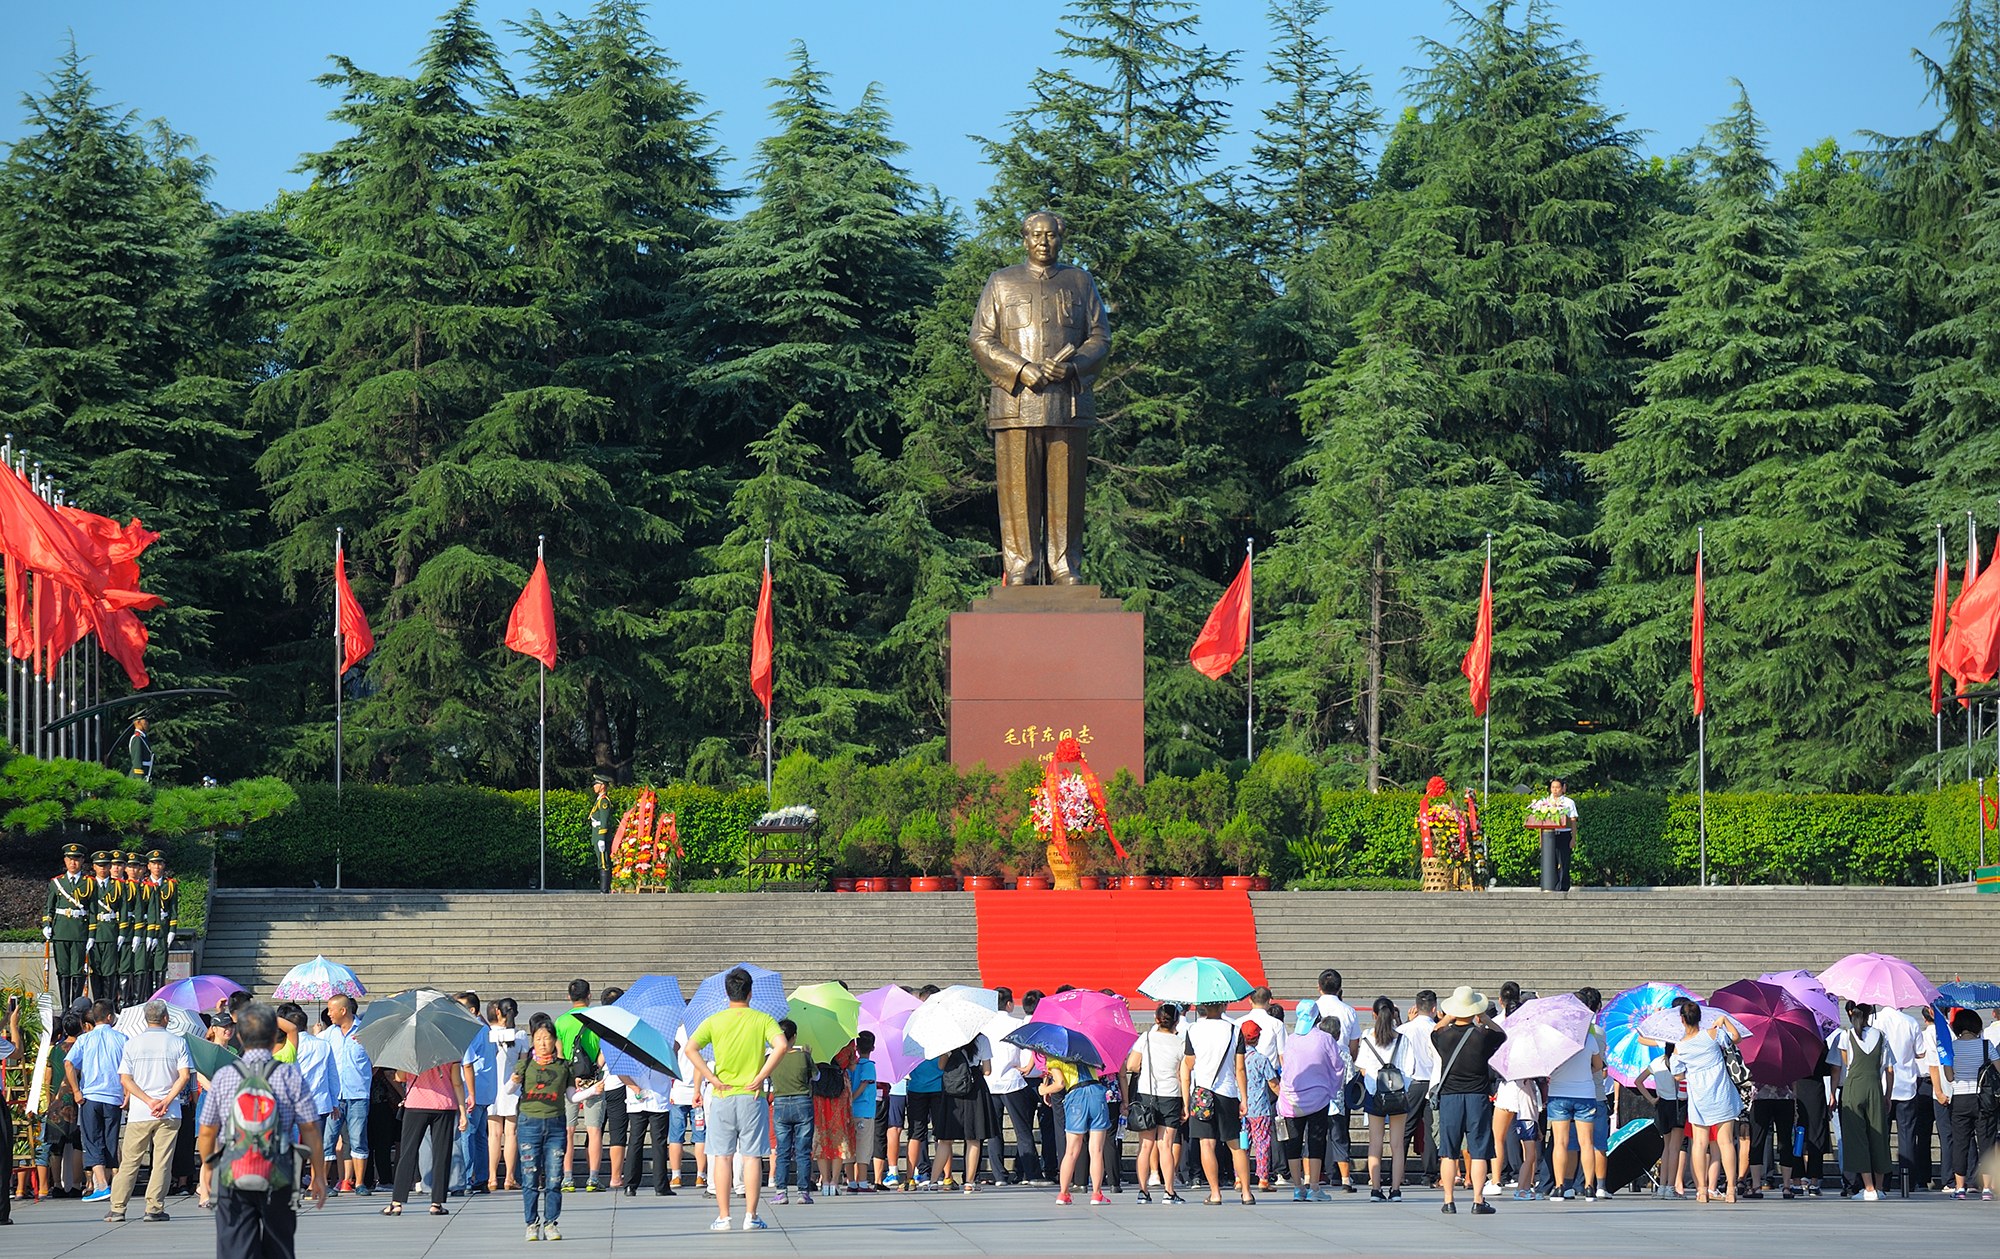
x=1372, y=701
x=602, y=758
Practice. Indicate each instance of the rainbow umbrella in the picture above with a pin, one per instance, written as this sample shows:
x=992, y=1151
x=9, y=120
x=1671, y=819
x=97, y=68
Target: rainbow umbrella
x=1878, y=979
x=1105, y=1019
x=198, y=992
x=886, y=1012
x=1625, y=1059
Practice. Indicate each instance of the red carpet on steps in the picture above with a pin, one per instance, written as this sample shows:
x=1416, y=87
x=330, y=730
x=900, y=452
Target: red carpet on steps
x=1109, y=939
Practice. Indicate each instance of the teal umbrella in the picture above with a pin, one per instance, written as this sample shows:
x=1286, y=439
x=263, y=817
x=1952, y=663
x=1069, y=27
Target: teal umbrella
x=1196, y=981
x=623, y=1028
x=208, y=1056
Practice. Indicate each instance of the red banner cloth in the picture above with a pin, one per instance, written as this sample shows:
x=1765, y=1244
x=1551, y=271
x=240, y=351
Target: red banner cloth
x=1478, y=663
x=531, y=628
x=1108, y=939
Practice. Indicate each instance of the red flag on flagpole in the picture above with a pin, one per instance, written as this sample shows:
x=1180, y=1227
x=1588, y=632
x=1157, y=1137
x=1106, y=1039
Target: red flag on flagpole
x=357, y=640
x=1939, y=589
x=531, y=628
x=763, y=643
x=1950, y=650
x=1226, y=633
x=1696, y=656
x=1972, y=645
x=1478, y=663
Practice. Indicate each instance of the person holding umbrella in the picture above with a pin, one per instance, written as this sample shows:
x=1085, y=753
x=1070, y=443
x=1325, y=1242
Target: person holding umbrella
x=1086, y=1119
x=1713, y=1102
x=1213, y=1081
x=1959, y=1082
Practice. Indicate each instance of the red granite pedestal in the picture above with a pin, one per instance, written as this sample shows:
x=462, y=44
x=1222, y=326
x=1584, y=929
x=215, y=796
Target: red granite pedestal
x=1031, y=665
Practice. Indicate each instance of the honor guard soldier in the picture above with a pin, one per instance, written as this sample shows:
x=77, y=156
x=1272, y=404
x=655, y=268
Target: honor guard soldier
x=137, y=917
x=166, y=892
x=600, y=829
x=141, y=749
x=66, y=922
x=103, y=929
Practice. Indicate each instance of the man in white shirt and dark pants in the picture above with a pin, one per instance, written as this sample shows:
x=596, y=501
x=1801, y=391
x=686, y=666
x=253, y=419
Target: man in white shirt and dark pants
x=1899, y=1031
x=1423, y=1069
x=155, y=1068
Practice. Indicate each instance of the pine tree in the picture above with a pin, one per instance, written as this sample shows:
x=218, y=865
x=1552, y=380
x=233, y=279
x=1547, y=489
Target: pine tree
x=1309, y=164
x=1761, y=421
x=116, y=387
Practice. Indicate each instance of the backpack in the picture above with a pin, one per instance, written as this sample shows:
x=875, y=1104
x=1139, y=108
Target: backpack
x=828, y=1081
x=960, y=1080
x=583, y=1068
x=1392, y=1087
x=1989, y=1085
x=256, y=1151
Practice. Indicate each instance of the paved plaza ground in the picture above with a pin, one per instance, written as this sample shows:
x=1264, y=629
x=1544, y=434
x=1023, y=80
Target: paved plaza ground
x=1025, y=1222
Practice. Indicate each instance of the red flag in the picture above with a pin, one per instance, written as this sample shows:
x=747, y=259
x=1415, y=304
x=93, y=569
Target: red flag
x=357, y=640
x=1478, y=663
x=1938, y=616
x=124, y=639
x=1972, y=645
x=59, y=617
x=1949, y=651
x=34, y=533
x=1695, y=656
x=531, y=629
x=20, y=628
x=763, y=644
x=1226, y=634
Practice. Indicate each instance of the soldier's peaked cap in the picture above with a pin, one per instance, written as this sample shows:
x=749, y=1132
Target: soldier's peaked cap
x=73, y=850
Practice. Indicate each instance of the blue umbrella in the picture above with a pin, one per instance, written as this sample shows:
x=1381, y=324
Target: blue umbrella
x=621, y=1028
x=1625, y=1059
x=767, y=993
x=1970, y=996
x=657, y=1001
x=1053, y=1041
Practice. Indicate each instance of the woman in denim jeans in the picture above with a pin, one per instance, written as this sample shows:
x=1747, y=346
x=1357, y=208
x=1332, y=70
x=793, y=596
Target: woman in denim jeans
x=792, y=1109
x=542, y=1077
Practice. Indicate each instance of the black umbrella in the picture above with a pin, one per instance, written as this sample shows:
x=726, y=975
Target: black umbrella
x=1631, y=1151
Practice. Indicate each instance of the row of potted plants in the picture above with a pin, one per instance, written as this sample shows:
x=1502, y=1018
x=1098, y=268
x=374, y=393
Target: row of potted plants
x=929, y=847
x=1036, y=882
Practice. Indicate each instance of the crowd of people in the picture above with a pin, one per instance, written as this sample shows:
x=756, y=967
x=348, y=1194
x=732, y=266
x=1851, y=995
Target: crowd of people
x=1325, y=1100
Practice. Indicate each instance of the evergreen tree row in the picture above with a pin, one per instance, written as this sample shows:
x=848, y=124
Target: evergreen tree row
x=508, y=304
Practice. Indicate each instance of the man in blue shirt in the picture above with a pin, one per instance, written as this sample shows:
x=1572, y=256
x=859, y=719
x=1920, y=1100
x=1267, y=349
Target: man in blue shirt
x=356, y=1073
x=92, y=1068
x=482, y=1085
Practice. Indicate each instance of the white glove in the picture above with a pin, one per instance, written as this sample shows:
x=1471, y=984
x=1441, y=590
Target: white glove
x=121, y=942
x=152, y=942
x=48, y=933
x=170, y=939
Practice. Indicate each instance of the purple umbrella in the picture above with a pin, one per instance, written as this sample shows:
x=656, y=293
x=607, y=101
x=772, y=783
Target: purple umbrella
x=1808, y=991
x=1878, y=979
x=198, y=992
x=1542, y=1035
x=884, y=1012
x=1785, y=1043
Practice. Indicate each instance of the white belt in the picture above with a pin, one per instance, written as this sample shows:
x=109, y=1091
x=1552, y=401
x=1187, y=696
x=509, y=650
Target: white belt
x=69, y=913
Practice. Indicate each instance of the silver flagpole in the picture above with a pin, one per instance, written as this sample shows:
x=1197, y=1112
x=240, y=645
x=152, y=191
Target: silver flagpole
x=339, y=658
x=1486, y=754
x=1250, y=658
x=1701, y=722
x=542, y=764
x=774, y=678
x=7, y=457
x=1938, y=716
x=1971, y=546
x=40, y=689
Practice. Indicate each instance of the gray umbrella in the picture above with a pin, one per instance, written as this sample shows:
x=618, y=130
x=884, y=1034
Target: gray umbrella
x=416, y=1030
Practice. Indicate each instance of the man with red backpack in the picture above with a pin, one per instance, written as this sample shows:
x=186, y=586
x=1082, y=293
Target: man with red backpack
x=257, y=1113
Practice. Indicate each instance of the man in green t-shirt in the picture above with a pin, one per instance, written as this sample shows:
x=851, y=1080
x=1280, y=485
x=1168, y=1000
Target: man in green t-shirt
x=747, y=1046
x=586, y=1100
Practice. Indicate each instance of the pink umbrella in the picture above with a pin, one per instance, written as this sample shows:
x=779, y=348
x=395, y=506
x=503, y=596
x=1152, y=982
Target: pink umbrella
x=1542, y=1035
x=1809, y=992
x=1105, y=1019
x=884, y=1012
x=1878, y=979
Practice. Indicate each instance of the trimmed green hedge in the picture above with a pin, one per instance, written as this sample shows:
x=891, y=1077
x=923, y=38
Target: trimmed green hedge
x=467, y=837
x=437, y=837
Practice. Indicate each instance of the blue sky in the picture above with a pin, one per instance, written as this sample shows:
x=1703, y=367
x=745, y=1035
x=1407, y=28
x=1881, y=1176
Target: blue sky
x=238, y=76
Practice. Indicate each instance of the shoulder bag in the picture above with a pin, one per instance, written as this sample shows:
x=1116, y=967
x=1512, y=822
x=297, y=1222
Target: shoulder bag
x=1201, y=1105
x=1437, y=1093
x=1140, y=1116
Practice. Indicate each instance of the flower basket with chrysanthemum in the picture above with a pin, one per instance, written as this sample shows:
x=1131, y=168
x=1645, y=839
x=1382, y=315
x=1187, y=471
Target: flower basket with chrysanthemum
x=647, y=848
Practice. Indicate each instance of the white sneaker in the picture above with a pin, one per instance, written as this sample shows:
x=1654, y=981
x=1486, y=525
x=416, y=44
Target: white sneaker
x=550, y=1233
x=753, y=1223
x=1869, y=1195
x=1603, y=1194
x=534, y=1232
x=1154, y=1180
x=720, y=1224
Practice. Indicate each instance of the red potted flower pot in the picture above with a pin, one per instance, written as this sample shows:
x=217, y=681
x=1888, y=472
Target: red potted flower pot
x=984, y=882
x=866, y=884
x=843, y=885
x=927, y=883
x=897, y=883
x=1089, y=883
x=1239, y=883
x=1259, y=883
x=1033, y=883
x=1183, y=883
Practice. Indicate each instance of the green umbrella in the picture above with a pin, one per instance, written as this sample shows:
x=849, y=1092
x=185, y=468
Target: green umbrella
x=208, y=1056
x=828, y=1017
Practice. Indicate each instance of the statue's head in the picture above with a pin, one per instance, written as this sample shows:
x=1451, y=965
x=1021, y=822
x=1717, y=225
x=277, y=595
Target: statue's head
x=1042, y=233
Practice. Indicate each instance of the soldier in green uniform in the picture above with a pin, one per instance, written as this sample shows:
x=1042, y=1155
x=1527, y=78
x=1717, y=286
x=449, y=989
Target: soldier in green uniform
x=137, y=917
x=141, y=749
x=600, y=828
x=166, y=891
x=66, y=923
x=103, y=928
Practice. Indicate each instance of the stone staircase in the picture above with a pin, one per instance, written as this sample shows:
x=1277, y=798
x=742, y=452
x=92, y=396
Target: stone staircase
x=530, y=945
x=1400, y=942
